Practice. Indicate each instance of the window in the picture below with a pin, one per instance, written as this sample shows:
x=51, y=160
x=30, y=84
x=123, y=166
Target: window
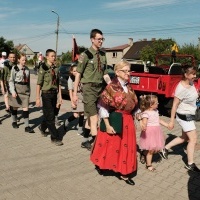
x=114, y=54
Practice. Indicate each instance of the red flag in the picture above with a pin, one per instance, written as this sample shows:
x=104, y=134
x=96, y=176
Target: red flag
x=75, y=54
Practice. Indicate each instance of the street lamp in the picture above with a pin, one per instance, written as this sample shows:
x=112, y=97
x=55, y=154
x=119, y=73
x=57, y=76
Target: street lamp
x=57, y=30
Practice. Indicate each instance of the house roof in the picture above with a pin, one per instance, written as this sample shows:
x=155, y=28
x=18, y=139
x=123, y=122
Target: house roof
x=117, y=48
x=134, y=51
x=20, y=46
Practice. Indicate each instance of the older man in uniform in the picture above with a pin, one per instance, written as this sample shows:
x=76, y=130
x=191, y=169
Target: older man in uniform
x=91, y=71
x=48, y=83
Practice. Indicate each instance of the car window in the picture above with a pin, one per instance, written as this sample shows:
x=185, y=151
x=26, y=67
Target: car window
x=64, y=68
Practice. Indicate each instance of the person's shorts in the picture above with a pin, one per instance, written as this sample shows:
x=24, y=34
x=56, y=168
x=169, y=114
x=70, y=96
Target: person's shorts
x=90, y=98
x=186, y=125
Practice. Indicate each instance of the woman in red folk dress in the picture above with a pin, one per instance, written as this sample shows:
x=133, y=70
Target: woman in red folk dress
x=114, y=151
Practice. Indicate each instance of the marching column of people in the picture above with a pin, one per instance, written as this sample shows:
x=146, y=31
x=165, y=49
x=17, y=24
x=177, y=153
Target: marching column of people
x=110, y=150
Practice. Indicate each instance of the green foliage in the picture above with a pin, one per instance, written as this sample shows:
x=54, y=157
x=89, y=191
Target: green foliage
x=67, y=57
x=6, y=46
x=191, y=49
x=148, y=53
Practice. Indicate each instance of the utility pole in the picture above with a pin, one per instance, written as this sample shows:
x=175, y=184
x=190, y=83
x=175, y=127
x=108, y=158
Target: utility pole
x=57, y=30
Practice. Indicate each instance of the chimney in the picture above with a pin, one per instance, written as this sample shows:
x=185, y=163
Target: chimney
x=153, y=39
x=130, y=41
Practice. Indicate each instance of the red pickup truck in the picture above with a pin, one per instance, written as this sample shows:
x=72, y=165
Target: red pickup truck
x=160, y=79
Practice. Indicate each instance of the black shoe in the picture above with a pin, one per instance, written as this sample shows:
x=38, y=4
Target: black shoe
x=43, y=133
x=86, y=145
x=14, y=125
x=8, y=111
x=100, y=171
x=127, y=180
x=28, y=129
x=192, y=167
x=164, y=153
x=57, y=142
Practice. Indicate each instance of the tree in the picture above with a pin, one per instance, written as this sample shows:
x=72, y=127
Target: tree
x=6, y=46
x=191, y=49
x=67, y=57
x=148, y=53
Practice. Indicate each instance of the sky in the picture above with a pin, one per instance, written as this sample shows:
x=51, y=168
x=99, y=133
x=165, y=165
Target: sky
x=33, y=22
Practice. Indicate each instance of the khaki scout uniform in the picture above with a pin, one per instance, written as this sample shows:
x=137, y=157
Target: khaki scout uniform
x=49, y=83
x=91, y=78
x=20, y=86
x=6, y=74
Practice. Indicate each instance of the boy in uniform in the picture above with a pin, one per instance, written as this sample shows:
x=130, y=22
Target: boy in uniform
x=49, y=85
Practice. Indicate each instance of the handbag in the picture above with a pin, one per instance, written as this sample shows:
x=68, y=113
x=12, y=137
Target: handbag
x=115, y=120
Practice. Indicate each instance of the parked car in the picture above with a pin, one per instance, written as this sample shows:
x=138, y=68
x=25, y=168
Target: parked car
x=64, y=70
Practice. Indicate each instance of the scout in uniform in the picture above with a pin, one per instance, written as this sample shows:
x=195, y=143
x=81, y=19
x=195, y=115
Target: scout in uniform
x=49, y=85
x=8, y=64
x=91, y=71
x=19, y=86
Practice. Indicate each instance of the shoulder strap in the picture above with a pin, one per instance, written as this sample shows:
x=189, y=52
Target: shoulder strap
x=44, y=67
x=89, y=54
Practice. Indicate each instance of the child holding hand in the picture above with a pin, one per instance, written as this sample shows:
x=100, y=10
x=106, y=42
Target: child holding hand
x=151, y=139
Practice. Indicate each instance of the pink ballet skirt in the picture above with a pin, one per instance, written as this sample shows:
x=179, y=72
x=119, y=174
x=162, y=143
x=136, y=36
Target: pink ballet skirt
x=152, y=139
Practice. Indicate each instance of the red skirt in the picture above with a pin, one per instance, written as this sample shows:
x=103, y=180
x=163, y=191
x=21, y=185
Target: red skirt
x=117, y=152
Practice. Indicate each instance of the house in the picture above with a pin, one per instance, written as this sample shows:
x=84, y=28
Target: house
x=23, y=48
x=134, y=52
x=115, y=54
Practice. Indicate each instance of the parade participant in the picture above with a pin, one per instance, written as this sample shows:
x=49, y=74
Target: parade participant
x=19, y=86
x=91, y=71
x=184, y=107
x=117, y=150
x=8, y=64
x=78, y=109
x=152, y=138
x=49, y=85
x=3, y=59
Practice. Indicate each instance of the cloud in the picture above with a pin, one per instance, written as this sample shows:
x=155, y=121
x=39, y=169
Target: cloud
x=131, y=4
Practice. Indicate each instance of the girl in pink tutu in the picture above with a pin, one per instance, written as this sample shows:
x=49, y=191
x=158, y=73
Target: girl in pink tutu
x=151, y=138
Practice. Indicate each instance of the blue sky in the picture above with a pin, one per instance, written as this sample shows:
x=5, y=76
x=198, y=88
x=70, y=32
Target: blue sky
x=33, y=23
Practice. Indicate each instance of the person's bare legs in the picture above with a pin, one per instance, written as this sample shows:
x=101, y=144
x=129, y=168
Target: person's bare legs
x=192, y=135
x=177, y=140
x=6, y=101
x=93, y=120
x=149, y=157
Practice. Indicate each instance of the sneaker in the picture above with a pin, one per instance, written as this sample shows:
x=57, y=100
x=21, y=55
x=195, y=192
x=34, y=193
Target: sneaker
x=57, y=123
x=192, y=167
x=28, y=129
x=86, y=145
x=164, y=153
x=66, y=123
x=43, y=133
x=57, y=142
x=14, y=125
x=80, y=131
x=81, y=134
